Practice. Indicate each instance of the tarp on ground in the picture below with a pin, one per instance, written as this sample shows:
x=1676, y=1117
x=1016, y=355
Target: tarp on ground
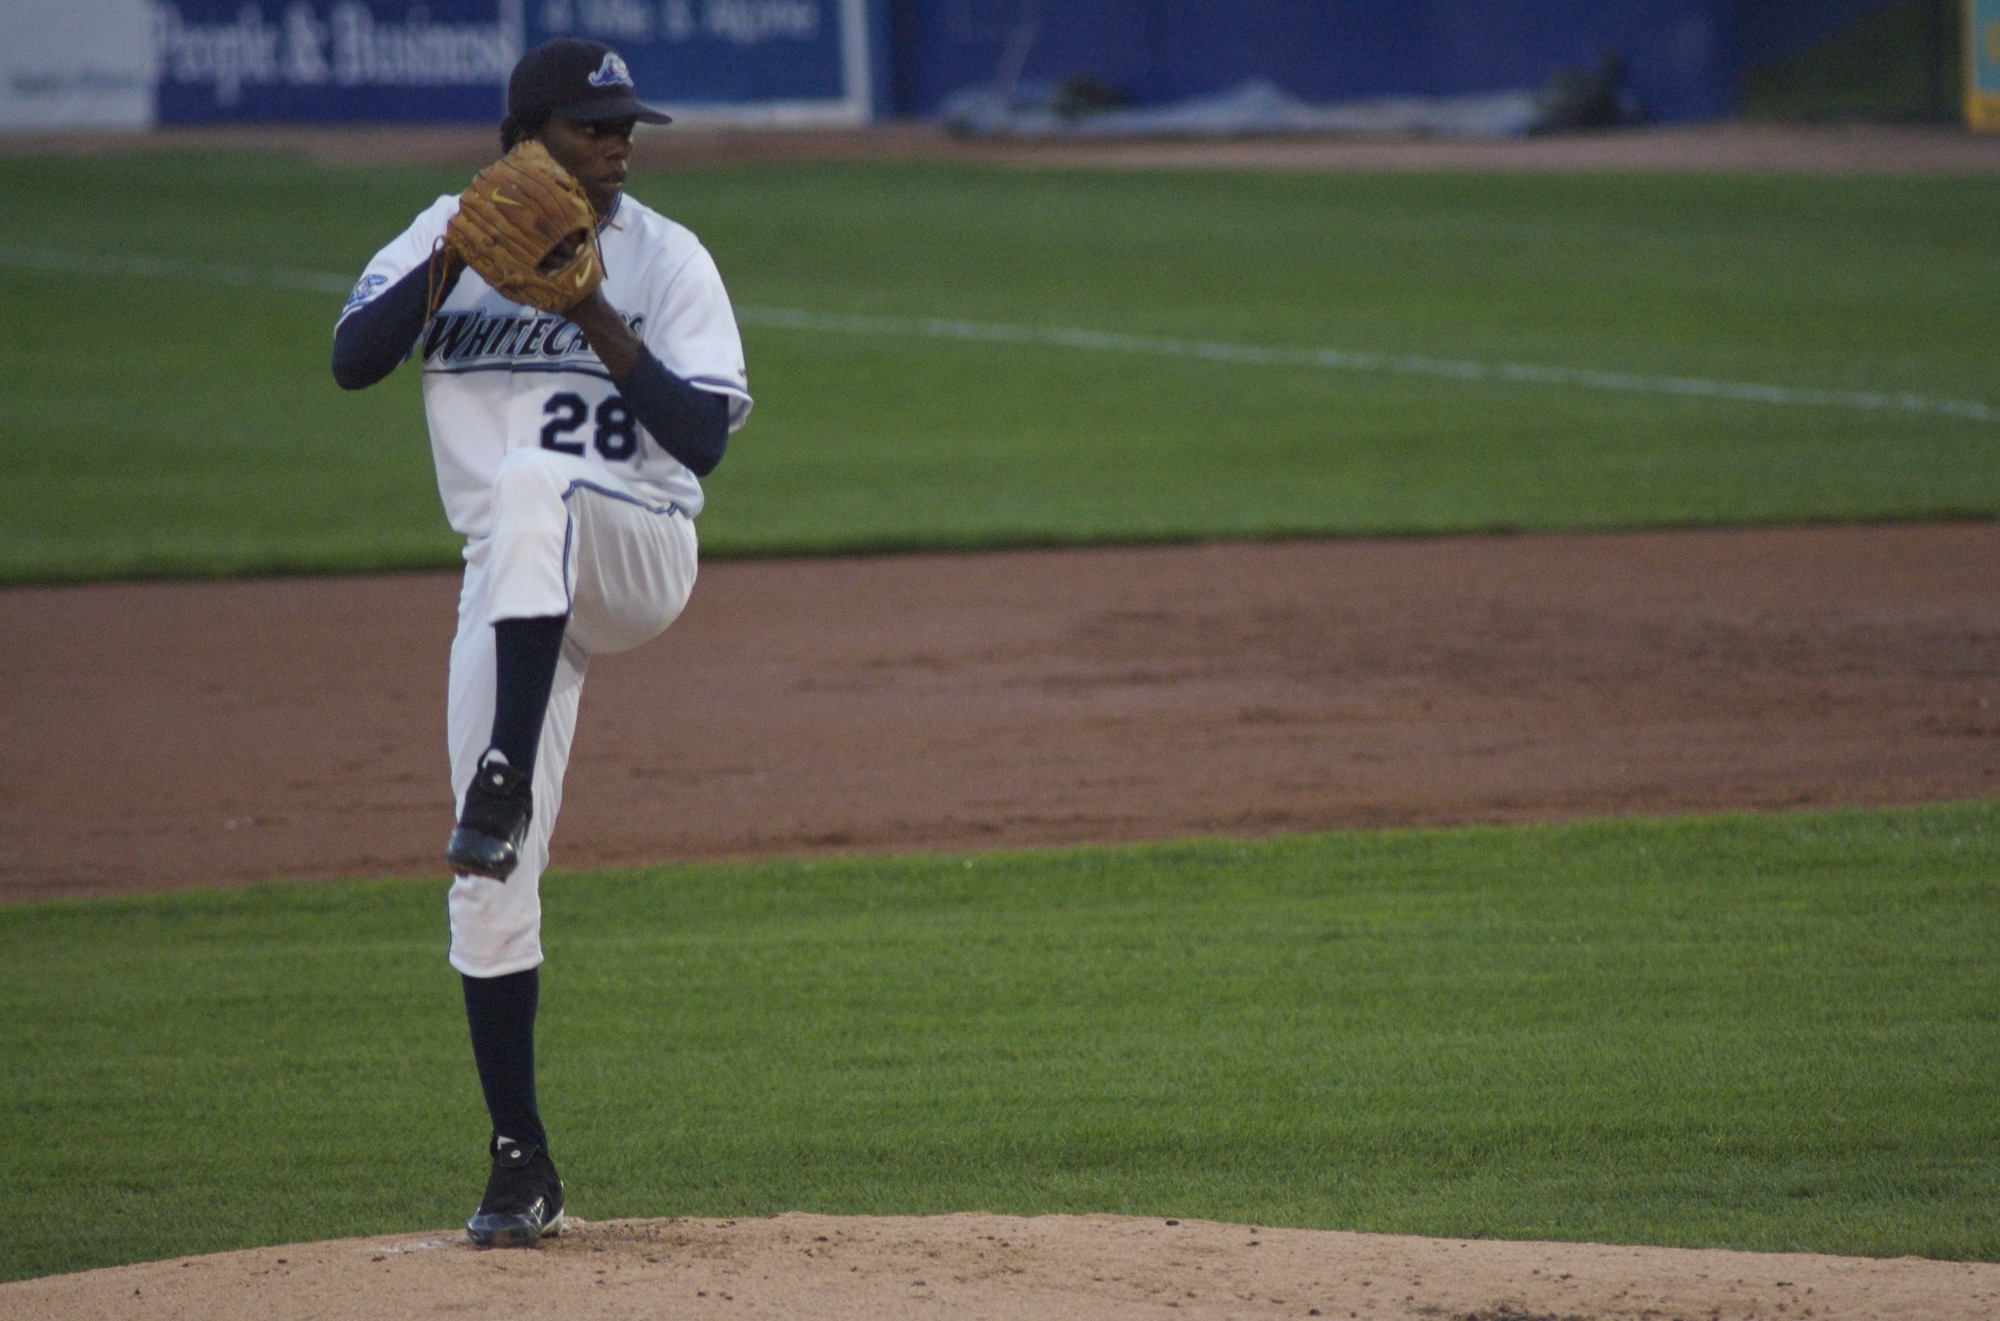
x=1260, y=107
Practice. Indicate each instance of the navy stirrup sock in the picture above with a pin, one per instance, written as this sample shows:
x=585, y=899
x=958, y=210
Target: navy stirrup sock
x=501, y=1014
x=525, y=652
x=500, y=1011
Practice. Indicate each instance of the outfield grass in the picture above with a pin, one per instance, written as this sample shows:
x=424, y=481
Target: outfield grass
x=184, y=424
x=1775, y=1033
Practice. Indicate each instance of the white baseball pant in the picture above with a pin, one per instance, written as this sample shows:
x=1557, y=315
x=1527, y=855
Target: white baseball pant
x=567, y=537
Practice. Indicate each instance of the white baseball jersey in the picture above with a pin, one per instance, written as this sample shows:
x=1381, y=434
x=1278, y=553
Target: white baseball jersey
x=499, y=377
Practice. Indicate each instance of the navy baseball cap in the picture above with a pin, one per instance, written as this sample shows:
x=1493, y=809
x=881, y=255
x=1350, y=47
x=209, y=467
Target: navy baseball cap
x=577, y=79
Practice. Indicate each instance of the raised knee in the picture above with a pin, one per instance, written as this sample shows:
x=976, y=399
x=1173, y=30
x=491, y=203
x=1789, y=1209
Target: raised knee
x=537, y=468
x=530, y=483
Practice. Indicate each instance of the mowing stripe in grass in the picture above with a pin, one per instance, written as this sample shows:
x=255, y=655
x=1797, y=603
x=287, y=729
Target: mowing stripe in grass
x=1398, y=364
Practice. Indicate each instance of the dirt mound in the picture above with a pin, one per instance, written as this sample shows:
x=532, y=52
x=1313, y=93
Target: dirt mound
x=1062, y=1268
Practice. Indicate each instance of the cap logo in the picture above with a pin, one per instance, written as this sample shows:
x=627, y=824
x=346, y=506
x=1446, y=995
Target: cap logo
x=611, y=73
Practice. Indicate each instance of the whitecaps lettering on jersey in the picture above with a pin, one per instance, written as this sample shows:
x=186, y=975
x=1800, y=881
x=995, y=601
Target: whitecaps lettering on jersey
x=477, y=340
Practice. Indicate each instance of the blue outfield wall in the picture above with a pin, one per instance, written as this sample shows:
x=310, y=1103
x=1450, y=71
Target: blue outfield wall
x=1330, y=50
x=1683, y=58
x=850, y=60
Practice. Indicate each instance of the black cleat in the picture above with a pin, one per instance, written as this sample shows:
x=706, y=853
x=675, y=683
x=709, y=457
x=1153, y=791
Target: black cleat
x=524, y=1199
x=498, y=804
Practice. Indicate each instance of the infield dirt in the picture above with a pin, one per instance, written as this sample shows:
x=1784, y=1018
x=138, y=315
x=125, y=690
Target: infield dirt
x=1857, y=148
x=171, y=734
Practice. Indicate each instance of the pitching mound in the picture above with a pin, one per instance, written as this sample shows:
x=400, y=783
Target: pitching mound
x=1073, y=1268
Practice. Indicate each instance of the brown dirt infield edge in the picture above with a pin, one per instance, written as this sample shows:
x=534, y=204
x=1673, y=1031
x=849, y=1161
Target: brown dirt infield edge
x=1733, y=147
x=1245, y=689
x=172, y=734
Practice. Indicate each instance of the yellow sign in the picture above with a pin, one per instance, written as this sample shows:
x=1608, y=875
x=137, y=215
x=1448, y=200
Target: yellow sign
x=1982, y=64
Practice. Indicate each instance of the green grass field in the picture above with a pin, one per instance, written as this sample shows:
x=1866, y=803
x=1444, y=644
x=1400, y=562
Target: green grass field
x=187, y=423
x=1777, y=1032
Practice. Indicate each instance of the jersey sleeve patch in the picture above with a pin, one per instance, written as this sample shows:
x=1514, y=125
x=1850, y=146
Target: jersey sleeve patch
x=366, y=288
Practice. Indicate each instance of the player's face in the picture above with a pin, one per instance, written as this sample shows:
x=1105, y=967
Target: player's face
x=595, y=151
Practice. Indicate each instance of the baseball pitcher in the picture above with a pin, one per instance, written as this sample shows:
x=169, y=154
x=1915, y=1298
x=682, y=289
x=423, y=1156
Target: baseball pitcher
x=582, y=371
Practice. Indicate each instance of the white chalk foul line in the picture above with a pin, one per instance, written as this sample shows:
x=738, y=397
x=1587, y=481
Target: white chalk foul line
x=1515, y=373
x=171, y=268
x=1510, y=373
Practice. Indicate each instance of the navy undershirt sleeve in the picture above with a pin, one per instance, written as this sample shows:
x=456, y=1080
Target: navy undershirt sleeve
x=376, y=336
x=690, y=423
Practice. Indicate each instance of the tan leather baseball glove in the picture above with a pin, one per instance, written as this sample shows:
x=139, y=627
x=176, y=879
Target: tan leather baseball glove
x=526, y=226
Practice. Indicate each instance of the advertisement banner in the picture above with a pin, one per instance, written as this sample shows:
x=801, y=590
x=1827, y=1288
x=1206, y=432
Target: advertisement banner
x=1982, y=64
x=292, y=60
x=743, y=61
x=59, y=72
